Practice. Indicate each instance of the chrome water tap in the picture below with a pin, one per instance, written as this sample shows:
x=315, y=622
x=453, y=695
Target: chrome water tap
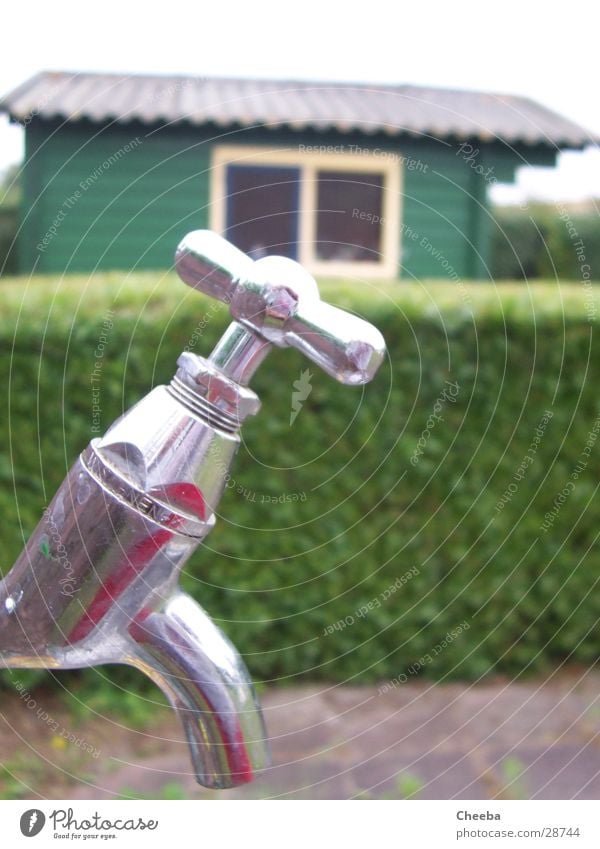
x=98, y=579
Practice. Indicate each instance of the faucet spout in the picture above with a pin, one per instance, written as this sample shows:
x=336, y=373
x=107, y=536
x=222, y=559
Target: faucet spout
x=199, y=670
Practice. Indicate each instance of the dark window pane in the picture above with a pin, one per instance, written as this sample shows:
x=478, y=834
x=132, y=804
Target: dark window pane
x=262, y=209
x=349, y=216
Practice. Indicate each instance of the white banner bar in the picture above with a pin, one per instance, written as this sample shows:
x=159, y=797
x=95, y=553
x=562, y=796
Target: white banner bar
x=301, y=824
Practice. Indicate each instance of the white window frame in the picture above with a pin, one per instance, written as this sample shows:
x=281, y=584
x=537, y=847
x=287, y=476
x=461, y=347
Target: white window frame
x=309, y=163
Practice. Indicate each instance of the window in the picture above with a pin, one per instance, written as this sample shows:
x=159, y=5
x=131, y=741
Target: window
x=349, y=216
x=262, y=209
x=336, y=213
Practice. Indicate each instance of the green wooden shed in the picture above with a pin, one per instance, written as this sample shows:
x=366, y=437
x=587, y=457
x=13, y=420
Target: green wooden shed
x=350, y=179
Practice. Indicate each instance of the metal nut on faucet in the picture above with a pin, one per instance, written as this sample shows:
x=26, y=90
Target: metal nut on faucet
x=226, y=395
x=280, y=304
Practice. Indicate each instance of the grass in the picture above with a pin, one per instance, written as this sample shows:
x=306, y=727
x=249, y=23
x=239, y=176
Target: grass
x=515, y=785
x=406, y=786
x=171, y=791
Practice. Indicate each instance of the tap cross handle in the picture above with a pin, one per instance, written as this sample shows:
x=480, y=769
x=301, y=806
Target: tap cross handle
x=278, y=300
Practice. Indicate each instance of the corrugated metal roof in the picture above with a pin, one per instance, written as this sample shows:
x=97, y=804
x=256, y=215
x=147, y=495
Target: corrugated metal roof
x=344, y=107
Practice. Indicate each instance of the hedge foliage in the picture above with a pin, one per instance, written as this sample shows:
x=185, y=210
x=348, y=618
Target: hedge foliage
x=545, y=241
x=353, y=543
x=9, y=223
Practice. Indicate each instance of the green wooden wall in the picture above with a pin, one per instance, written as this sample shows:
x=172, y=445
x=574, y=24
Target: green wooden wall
x=116, y=199
x=121, y=197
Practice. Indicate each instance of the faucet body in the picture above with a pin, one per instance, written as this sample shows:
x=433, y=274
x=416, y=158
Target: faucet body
x=98, y=579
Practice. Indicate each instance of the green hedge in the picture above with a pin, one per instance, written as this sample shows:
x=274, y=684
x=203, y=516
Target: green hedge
x=9, y=223
x=396, y=538
x=545, y=240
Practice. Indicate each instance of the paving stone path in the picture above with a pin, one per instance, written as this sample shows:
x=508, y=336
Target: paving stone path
x=418, y=740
